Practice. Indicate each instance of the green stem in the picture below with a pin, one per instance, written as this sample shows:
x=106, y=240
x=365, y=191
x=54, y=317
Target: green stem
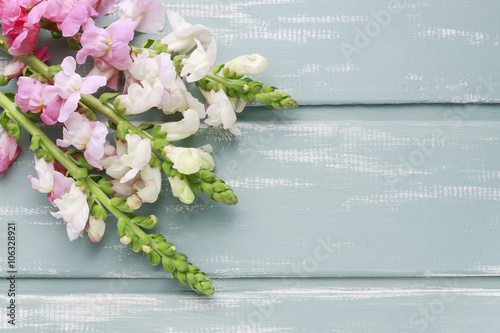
x=22, y=119
x=221, y=80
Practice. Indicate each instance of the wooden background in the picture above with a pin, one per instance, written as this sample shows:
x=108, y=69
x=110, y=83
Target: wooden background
x=374, y=207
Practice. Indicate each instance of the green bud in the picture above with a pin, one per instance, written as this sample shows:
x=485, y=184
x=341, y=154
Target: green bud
x=181, y=266
x=262, y=98
x=207, y=176
x=125, y=240
x=121, y=228
x=145, y=126
x=121, y=204
x=220, y=187
x=53, y=70
x=217, y=69
x=229, y=198
x=121, y=131
x=135, y=244
x=180, y=256
x=168, y=264
x=154, y=258
x=181, y=277
x=147, y=222
x=4, y=80
x=158, y=238
x=99, y=212
x=191, y=279
x=157, y=133
x=79, y=173
x=160, y=48
x=146, y=249
x=106, y=186
x=104, y=97
x=207, y=188
x=267, y=89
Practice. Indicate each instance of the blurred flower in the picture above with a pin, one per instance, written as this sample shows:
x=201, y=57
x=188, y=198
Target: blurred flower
x=9, y=151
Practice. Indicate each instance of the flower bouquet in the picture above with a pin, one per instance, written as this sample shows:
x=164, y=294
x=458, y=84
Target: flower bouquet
x=99, y=167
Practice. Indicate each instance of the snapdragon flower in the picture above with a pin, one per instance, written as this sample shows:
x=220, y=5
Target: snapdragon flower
x=148, y=16
x=74, y=210
x=110, y=45
x=96, y=228
x=144, y=187
x=15, y=67
x=82, y=133
x=184, y=128
x=9, y=151
x=190, y=160
x=29, y=95
x=181, y=189
x=183, y=35
x=180, y=99
x=222, y=110
x=199, y=62
x=49, y=180
x=131, y=157
x=68, y=87
x=141, y=97
x=69, y=15
x=247, y=64
x=21, y=24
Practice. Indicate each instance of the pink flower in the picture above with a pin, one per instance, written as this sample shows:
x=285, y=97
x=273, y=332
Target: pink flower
x=109, y=45
x=69, y=86
x=82, y=134
x=50, y=181
x=21, y=24
x=29, y=94
x=69, y=15
x=15, y=67
x=102, y=68
x=9, y=151
x=148, y=16
x=104, y=7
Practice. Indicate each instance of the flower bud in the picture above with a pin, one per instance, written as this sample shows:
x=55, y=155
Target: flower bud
x=134, y=202
x=246, y=64
x=180, y=189
x=96, y=229
x=125, y=240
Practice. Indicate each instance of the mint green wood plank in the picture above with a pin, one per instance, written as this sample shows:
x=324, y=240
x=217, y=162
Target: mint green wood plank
x=426, y=51
x=258, y=305
x=388, y=190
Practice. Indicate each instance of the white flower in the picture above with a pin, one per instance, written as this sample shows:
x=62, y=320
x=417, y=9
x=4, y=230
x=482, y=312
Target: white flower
x=181, y=99
x=74, y=210
x=190, y=160
x=181, y=189
x=245, y=64
x=132, y=156
x=207, y=160
x=96, y=229
x=44, y=171
x=141, y=97
x=183, y=35
x=222, y=110
x=198, y=64
x=182, y=129
x=148, y=188
x=146, y=68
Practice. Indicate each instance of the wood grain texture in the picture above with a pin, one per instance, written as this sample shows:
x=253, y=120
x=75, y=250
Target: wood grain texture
x=259, y=305
x=324, y=192
x=413, y=51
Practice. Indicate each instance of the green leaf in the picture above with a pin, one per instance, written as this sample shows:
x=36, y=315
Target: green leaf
x=147, y=44
x=104, y=97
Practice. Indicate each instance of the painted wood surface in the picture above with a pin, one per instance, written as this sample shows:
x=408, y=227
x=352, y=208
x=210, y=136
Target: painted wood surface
x=324, y=192
x=337, y=203
x=261, y=305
